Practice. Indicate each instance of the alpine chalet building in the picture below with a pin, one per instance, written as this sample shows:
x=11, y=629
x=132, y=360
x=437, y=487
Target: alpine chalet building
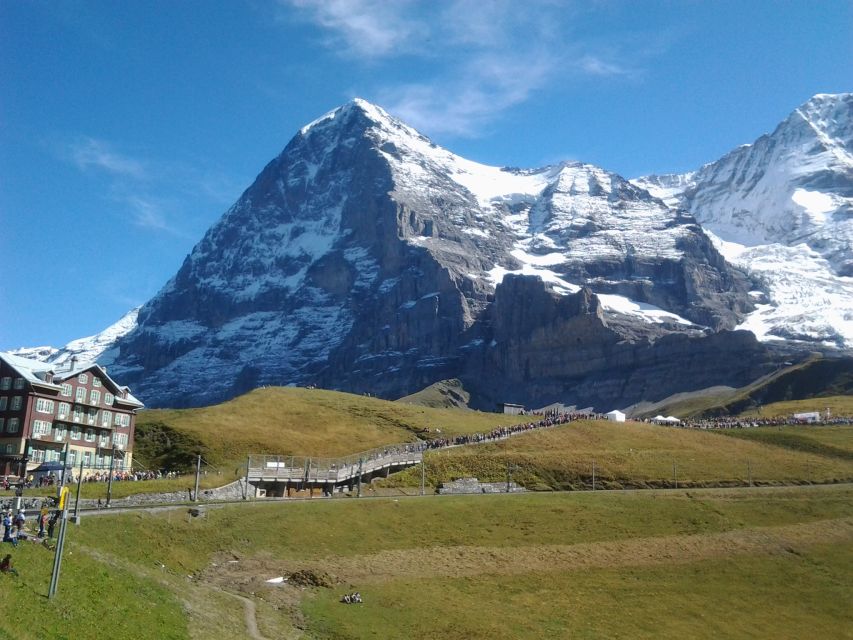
x=44, y=406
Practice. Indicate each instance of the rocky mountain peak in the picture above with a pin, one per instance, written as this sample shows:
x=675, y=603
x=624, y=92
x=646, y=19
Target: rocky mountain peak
x=781, y=208
x=364, y=257
x=830, y=115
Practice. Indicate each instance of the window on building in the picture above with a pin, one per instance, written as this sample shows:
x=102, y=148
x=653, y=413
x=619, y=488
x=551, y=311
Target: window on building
x=59, y=431
x=66, y=390
x=104, y=439
x=19, y=383
x=108, y=399
x=10, y=448
x=120, y=440
x=14, y=425
x=64, y=410
x=76, y=433
x=87, y=459
x=80, y=394
x=17, y=401
x=52, y=455
x=43, y=405
x=4, y=402
x=90, y=435
x=92, y=416
x=106, y=418
x=2, y=423
x=83, y=378
x=78, y=413
x=72, y=457
x=122, y=420
x=37, y=455
x=41, y=427
x=5, y=383
x=94, y=397
x=96, y=382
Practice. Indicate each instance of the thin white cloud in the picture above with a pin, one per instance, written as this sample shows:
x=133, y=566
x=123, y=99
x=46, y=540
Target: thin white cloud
x=368, y=28
x=596, y=66
x=463, y=105
x=152, y=214
x=147, y=214
x=479, y=57
x=163, y=197
x=90, y=153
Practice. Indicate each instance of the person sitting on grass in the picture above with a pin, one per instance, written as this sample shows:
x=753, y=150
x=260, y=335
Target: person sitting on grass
x=6, y=565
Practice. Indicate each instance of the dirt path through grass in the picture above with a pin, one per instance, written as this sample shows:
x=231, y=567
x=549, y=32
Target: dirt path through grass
x=465, y=561
x=196, y=597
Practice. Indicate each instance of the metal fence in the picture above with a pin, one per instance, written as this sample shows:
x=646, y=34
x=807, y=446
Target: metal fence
x=332, y=470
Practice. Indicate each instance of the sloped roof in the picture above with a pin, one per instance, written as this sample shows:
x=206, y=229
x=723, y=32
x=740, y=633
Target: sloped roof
x=28, y=369
x=33, y=372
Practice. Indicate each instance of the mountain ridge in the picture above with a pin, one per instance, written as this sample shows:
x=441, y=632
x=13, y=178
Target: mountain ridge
x=365, y=257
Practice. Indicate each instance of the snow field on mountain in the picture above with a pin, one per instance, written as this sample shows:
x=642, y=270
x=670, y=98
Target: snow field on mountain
x=805, y=297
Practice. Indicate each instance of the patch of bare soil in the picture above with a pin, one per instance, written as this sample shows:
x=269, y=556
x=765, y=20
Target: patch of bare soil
x=248, y=576
x=453, y=562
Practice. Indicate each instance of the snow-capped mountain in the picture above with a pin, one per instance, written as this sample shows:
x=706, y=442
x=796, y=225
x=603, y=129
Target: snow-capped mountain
x=367, y=258
x=97, y=348
x=782, y=210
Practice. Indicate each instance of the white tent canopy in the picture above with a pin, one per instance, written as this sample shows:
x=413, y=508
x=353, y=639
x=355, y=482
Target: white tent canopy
x=616, y=416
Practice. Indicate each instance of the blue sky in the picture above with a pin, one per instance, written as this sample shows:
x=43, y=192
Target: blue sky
x=128, y=128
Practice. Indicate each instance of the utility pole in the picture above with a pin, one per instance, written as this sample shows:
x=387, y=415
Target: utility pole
x=77, y=501
x=62, y=473
x=25, y=461
x=197, y=474
x=360, y=465
x=246, y=486
x=509, y=469
x=60, y=543
x=110, y=478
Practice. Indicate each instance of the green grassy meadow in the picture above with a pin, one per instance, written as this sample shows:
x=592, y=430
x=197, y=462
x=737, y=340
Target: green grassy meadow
x=770, y=561
x=706, y=563
x=633, y=454
x=309, y=422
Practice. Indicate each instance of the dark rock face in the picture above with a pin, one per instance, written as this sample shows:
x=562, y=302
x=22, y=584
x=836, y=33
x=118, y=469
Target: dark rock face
x=367, y=259
x=548, y=349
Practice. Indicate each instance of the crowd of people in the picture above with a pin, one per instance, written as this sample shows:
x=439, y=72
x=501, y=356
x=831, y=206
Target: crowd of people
x=130, y=476
x=8, y=483
x=735, y=422
x=500, y=433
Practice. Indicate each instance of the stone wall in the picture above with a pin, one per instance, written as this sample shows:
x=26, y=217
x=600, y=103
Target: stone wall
x=472, y=485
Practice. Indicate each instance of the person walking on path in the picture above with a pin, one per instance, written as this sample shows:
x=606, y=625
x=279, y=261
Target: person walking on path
x=20, y=519
x=7, y=526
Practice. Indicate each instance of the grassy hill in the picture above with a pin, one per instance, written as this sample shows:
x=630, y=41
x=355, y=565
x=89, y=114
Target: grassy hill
x=634, y=454
x=778, y=562
x=812, y=379
x=286, y=420
x=444, y=394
